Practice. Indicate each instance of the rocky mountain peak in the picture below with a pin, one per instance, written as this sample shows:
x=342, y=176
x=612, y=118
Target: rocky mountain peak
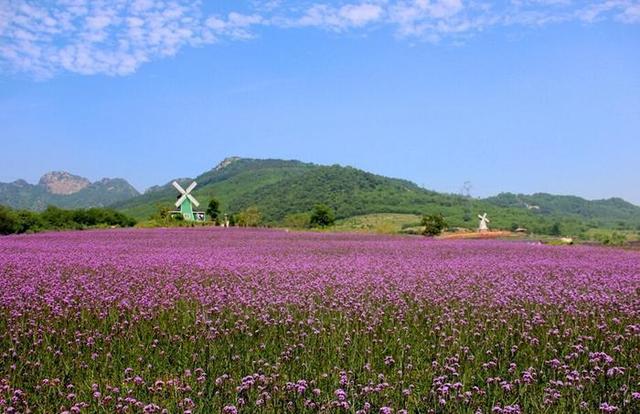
x=62, y=182
x=224, y=163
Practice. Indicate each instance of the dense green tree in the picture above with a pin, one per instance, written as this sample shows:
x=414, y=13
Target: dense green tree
x=100, y=216
x=322, y=216
x=556, y=229
x=213, y=209
x=611, y=238
x=297, y=220
x=162, y=213
x=433, y=224
x=8, y=221
x=250, y=217
x=55, y=218
x=29, y=221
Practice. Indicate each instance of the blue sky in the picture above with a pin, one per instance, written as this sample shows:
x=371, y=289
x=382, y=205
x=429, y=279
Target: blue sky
x=521, y=95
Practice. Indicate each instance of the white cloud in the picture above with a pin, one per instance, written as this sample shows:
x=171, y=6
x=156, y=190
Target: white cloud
x=454, y=19
x=43, y=38
x=627, y=11
x=631, y=14
x=235, y=26
x=91, y=37
x=358, y=15
x=337, y=18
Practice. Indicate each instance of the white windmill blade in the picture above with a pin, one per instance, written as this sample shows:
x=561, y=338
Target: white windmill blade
x=193, y=200
x=181, y=199
x=178, y=187
x=191, y=187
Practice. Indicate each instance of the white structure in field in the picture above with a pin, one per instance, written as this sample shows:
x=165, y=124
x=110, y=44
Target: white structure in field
x=186, y=202
x=483, y=222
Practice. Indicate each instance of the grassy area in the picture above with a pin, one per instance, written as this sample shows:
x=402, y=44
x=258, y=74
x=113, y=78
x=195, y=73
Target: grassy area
x=394, y=223
x=385, y=223
x=153, y=223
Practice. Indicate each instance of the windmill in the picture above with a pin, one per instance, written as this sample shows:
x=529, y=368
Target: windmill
x=483, y=222
x=186, y=202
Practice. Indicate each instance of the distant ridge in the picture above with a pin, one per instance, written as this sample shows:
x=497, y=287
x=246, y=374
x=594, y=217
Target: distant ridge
x=65, y=190
x=283, y=187
x=611, y=210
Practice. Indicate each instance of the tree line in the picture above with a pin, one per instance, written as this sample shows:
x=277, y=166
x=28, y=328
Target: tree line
x=53, y=218
x=319, y=217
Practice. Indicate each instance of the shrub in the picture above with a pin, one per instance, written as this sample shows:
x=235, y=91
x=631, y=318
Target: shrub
x=297, y=220
x=611, y=239
x=213, y=209
x=8, y=221
x=322, y=216
x=54, y=218
x=250, y=217
x=555, y=229
x=57, y=218
x=29, y=222
x=433, y=224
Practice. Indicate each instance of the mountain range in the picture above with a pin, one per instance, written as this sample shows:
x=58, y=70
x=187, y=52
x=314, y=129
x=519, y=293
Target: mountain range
x=282, y=187
x=65, y=190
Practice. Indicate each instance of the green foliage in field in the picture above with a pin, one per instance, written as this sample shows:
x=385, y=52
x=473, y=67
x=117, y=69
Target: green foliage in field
x=54, y=218
x=167, y=217
x=555, y=229
x=8, y=221
x=249, y=217
x=384, y=223
x=177, y=358
x=610, y=238
x=213, y=210
x=322, y=216
x=297, y=220
x=433, y=224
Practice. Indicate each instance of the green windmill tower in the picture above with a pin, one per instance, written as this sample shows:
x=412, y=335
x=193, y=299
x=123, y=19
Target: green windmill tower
x=186, y=202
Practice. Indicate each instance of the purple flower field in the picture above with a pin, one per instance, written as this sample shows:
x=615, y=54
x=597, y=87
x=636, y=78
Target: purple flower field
x=264, y=321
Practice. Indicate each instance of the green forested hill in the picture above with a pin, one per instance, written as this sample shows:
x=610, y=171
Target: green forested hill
x=280, y=187
x=231, y=179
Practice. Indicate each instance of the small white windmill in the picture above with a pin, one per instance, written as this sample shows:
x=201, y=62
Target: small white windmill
x=483, y=222
x=186, y=202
